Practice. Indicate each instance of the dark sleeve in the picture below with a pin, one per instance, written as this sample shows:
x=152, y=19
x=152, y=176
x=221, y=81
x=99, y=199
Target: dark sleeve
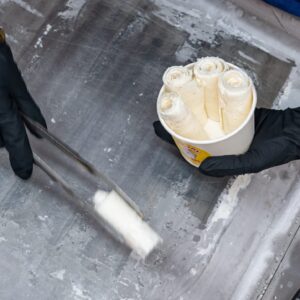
x=18, y=90
x=291, y=6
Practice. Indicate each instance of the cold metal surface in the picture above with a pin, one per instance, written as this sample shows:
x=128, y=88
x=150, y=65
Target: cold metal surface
x=95, y=68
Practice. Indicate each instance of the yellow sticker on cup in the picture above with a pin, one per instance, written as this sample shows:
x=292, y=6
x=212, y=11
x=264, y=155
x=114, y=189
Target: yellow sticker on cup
x=192, y=154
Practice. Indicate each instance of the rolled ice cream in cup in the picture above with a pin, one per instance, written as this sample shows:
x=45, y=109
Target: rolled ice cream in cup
x=207, y=71
x=179, y=117
x=239, y=130
x=235, y=95
x=180, y=79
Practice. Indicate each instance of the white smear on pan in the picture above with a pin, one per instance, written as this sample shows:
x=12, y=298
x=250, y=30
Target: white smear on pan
x=260, y=261
x=11, y=39
x=24, y=5
x=221, y=214
x=228, y=200
x=43, y=218
x=79, y=293
x=247, y=57
x=73, y=8
x=60, y=275
x=289, y=93
x=39, y=43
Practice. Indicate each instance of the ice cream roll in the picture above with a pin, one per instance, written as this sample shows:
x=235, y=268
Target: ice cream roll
x=180, y=80
x=179, y=117
x=136, y=233
x=235, y=93
x=207, y=71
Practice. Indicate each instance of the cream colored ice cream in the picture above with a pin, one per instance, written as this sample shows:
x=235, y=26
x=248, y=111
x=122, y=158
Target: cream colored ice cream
x=207, y=71
x=180, y=80
x=179, y=117
x=176, y=77
x=227, y=105
x=207, y=105
x=235, y=94
x=214, y=129
x=118, y=214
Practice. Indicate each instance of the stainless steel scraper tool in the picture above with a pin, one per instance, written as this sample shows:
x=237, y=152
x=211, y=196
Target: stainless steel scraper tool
x=110, y=206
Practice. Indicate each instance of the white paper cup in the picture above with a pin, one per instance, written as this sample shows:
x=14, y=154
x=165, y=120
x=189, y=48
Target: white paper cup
x=236, y=142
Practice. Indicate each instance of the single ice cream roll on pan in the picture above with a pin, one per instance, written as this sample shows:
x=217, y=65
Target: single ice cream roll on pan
x=180, y=80
x=235, y=95
x=179, y=117
x=137, y=234
x=207, y=71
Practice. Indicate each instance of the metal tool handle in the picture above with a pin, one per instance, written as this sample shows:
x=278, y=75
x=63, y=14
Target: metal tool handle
x=52, y=174
x=74, y=155
x=85, y=208
x=60, y=144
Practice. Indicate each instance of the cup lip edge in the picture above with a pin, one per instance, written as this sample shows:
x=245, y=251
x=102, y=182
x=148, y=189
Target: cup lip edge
x=215, y=141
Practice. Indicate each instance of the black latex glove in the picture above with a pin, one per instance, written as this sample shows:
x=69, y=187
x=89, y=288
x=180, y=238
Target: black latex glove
x=276, y=141
x=14, y=97
x=297, y=296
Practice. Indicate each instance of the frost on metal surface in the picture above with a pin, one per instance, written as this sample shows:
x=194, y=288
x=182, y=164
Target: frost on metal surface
x=273, y=246
x=221, y=215
x=224, y=15
x=289, y=94
x=73, y=8
x=60, y=274
x=24, y=5
x=39, y=42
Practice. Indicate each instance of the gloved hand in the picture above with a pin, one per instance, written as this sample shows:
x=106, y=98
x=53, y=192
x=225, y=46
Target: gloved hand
x=296, y=296
x=276, y=141
x=14, y=97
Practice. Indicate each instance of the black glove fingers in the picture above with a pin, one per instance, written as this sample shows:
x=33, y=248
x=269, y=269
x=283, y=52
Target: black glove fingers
x=16, y=142
x=269, y=125
x=32, y=129
x=260, y=117
x=162, y=133
x=19, y=93
x=1, y=142
x=229, y=165
x=269, y=154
